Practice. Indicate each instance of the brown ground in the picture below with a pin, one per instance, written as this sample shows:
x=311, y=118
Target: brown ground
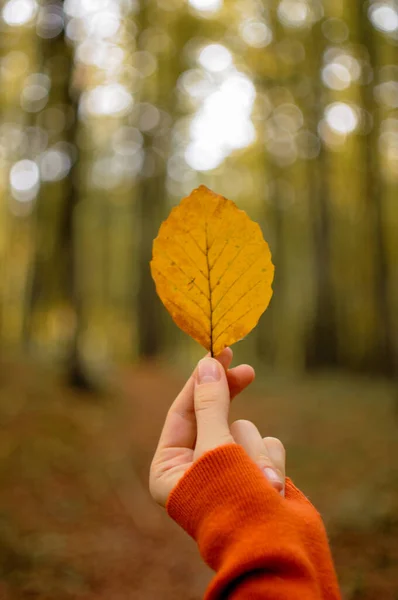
x=76, y=520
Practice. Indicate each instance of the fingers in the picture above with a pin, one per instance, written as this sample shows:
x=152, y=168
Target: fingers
x=239, y=378
x=211, y=401
x=179, y=430
x=277, y=454
x=225, y=358
x=268, y=453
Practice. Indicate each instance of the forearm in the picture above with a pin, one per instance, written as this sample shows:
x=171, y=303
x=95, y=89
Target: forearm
x=260, y=544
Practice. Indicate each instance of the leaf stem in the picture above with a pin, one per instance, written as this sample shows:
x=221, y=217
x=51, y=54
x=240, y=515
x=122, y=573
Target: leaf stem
x=210, y=299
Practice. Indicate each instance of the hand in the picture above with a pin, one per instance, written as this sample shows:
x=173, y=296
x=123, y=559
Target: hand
x=198, y=421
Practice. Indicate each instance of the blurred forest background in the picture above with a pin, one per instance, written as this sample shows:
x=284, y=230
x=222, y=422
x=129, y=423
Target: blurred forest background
x=110, y=112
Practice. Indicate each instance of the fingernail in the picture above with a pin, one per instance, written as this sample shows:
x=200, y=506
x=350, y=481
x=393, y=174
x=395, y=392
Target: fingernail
x=274, y=479
x=208, y=370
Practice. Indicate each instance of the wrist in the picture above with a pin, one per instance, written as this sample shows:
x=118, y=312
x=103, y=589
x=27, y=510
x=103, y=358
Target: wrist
x=224, y=476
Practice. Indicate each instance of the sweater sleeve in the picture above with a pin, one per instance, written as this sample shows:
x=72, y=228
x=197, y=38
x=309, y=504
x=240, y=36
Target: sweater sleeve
x=262, y=546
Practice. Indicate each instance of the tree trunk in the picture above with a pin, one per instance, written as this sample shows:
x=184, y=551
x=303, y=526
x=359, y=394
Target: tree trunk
x=382, y=360
x=321, y=350
x=55, y=276
x=152, y=185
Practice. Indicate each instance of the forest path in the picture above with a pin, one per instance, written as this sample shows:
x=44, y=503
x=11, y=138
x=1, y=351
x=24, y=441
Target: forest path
x=76, y=519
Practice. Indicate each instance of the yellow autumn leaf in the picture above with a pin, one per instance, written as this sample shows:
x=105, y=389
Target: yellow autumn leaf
x=212, y=269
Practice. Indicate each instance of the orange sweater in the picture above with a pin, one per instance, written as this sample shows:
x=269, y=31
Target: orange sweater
x=262, y=546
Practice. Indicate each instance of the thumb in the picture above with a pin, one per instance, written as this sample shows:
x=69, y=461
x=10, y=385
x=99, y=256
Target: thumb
x=212, y=402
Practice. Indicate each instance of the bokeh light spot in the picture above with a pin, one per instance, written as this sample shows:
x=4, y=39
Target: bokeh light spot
x=308, y=145
x=335, y=30
x=222, y=123
x=19, y=12
x=256, y=33
x=203, y=157
x=145, y=63
x=288, y=117
x=196, y=83
x=387, y=93
x=293, y=13
x=50, y=22
x=341, y=117
x=103, y=25
x=34, y=98
x=336, y=76
x=103, y=55
x=209, y=6
x=149, y=116
x=24, y=180
x=215, y=58
x=127, y=141
x=54, y=165
x=384, y=17
x=14, y=65
x=112, y=99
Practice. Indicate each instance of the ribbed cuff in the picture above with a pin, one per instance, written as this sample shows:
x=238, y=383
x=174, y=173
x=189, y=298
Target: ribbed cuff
x=225, y=476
